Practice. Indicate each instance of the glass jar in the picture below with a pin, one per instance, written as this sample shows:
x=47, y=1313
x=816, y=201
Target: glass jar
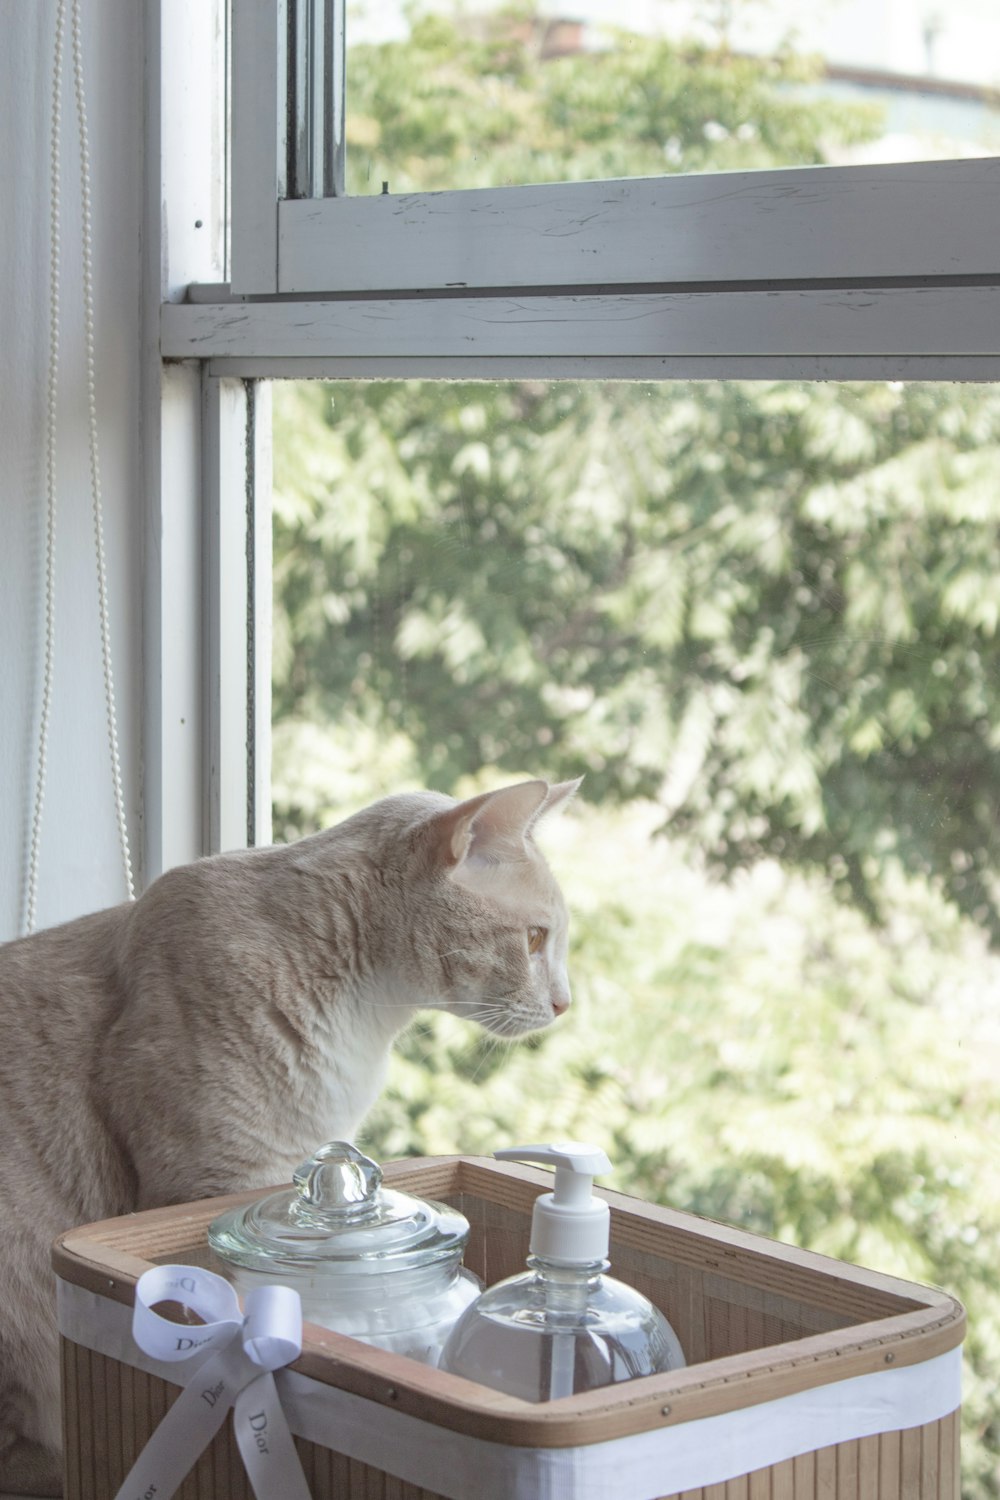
x=367, y=1261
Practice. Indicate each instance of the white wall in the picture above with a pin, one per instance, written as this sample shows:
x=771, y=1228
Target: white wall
x=80, y=866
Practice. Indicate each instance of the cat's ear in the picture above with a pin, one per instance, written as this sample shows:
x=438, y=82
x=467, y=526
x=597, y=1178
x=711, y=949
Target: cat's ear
x=490, y=829
x=557, y=796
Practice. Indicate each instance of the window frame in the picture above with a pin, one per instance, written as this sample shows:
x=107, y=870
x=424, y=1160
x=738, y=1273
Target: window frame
x=815, y=224
x=831, y=273
x=442, y=335
x=875, y=223
x=797, y=271
x=766, y=268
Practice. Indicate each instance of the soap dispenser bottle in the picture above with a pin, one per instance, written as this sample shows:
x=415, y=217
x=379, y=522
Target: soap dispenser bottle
x=564, y=1325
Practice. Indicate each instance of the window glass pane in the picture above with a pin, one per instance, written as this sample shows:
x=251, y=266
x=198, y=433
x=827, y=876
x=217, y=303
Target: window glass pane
x=761, y=620
x=484, y=96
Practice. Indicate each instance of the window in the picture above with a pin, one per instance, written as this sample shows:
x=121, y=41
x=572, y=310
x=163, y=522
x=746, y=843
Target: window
x=812, y=224
x=788, y=280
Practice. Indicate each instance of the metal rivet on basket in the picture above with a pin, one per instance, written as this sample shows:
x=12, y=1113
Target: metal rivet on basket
x=392, y=1393
x=110, y=1283
x=665, y=1411
x=889, y=1358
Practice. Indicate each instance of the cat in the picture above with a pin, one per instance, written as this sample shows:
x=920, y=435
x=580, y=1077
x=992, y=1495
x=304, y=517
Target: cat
x=208, y=1036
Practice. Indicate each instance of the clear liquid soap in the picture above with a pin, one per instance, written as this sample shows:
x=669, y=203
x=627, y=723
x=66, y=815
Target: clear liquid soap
x=563, y=1325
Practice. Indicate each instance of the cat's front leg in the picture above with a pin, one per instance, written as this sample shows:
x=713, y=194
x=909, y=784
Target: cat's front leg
x=30, y=1416
x=28, y=1465
x=29, y=1469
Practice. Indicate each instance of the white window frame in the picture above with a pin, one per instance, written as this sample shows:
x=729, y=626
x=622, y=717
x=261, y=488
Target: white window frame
x=206, y=469
x=814, y=223
x=818, y=272
x=878, y=272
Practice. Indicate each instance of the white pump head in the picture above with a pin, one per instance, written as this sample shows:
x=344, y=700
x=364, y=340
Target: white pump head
x=569, y=1225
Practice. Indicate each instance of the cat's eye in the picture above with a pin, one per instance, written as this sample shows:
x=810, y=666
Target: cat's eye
x=536, y=939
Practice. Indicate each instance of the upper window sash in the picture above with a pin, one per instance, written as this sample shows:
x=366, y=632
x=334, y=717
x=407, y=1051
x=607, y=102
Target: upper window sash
x=936, y=219
x=820, y=224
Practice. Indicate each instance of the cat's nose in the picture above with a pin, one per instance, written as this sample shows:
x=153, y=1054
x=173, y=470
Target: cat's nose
x=560, y=1004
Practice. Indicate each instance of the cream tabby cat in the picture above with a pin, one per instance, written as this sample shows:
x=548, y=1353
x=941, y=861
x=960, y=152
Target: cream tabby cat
x=206, y=1037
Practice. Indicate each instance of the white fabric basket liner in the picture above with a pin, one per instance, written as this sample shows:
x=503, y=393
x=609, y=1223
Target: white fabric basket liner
x=645, y=1465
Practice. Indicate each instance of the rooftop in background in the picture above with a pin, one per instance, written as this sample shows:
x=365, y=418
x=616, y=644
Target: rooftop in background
x=959, y=40
x=934, y=68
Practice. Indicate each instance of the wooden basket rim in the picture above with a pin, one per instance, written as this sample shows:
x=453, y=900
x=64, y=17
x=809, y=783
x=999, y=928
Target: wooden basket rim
x=928, y=1321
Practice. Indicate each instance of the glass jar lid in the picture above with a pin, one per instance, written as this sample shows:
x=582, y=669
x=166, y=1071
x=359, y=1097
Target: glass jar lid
x=339, y=1219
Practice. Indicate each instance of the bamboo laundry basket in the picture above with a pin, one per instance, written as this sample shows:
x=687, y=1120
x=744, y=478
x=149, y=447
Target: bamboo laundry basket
x=807, y=1378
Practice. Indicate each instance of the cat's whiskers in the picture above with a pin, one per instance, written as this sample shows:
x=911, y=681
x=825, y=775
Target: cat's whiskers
x=484, y=1017
x=494, y=1044
x=425, y=1051
x=495, y=1019
x=452, y=1005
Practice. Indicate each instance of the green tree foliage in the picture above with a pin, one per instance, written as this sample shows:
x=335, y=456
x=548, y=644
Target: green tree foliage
x=761, y=618
x=453, y=107
x=771, y=608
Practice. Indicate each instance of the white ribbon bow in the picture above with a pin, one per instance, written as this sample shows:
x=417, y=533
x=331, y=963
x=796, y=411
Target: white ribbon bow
x=236, y=1356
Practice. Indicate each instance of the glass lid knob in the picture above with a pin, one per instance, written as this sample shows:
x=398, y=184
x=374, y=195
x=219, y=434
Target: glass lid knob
x=338, y=1178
